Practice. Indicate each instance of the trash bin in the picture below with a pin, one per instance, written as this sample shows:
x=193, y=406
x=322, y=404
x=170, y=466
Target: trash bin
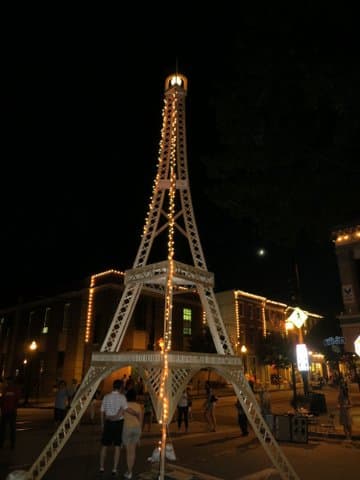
x=299, y=429
x=317, y=403
x=282, y=428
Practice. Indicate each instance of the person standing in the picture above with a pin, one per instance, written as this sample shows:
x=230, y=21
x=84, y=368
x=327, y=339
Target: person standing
x=8, y=405
x=190, y=402
x=265, y=404
x=140, y=387
x=132, y=430
x=148, y=412
x=129, y=384
x=209, y=408
x=183, y=411
x=112, y=410
x=242, y=419
x=61, y=402
x=344, y=411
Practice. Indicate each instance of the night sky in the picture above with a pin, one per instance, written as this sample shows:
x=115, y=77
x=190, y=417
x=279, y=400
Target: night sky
x=272, y=109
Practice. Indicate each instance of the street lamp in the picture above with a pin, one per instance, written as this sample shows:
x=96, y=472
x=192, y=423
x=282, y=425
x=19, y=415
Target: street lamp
x=243, y=351
x=298, y=318
x=289, y=326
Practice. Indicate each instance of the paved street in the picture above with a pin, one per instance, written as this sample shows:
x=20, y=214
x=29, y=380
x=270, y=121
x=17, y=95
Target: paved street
x=223, y=454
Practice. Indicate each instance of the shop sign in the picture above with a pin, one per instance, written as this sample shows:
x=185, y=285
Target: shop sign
x=328, y=342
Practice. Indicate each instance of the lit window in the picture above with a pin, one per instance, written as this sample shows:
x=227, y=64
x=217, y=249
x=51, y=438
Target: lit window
x=187, y=319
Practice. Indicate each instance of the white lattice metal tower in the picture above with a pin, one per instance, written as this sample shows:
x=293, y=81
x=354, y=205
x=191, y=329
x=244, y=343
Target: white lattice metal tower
x=166, y=372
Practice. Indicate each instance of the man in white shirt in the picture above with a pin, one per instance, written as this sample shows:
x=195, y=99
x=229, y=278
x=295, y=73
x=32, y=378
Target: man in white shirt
x=112, y=409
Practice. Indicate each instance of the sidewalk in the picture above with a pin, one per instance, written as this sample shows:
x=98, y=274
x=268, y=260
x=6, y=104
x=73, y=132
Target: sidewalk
x=315, y=428
x=318, y=426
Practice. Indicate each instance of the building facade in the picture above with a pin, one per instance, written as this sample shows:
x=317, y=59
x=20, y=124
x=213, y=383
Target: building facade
x=53, y=338
x=248, y=318
x=347, y=248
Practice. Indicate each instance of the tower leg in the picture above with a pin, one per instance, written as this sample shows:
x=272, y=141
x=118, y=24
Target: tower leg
x=250, y=405
x=214, y=320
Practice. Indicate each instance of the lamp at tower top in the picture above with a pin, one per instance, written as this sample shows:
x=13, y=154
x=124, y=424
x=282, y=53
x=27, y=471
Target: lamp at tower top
x=176, y=80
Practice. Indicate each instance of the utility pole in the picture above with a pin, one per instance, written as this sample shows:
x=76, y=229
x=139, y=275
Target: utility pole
x=304, y=375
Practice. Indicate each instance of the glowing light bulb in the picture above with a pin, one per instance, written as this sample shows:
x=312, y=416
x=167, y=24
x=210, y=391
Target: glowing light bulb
x=175, y=80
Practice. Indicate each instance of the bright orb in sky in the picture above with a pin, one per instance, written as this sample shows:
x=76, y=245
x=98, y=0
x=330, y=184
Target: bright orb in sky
x=261, y=252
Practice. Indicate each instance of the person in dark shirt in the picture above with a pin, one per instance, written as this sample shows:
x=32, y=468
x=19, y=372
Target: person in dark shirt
x=8, y=404
x=242, y=419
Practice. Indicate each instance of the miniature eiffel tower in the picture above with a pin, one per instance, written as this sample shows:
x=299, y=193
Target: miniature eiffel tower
x=166, y=373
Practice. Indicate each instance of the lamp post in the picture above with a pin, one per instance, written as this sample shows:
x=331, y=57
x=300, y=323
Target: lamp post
x=243, y=351
x=28, y=371
x=298, y=318
x=290, y=326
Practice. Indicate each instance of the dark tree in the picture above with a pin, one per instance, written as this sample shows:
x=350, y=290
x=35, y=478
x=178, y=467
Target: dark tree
x=275, y=349
x=288, y=137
